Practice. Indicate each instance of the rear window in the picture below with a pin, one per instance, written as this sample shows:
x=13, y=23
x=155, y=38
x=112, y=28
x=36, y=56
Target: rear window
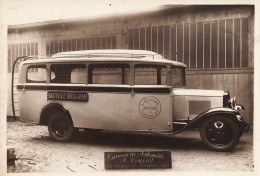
x=68, y=73
x=36, y=74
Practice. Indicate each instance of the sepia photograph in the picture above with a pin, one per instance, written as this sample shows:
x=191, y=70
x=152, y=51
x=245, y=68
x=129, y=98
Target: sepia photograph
x=129, y=86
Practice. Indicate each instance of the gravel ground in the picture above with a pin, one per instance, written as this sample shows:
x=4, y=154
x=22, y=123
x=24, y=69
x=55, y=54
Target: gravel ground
x=37, y=152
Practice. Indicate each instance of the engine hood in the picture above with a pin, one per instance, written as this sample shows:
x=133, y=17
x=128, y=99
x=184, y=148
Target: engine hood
x=198, y=92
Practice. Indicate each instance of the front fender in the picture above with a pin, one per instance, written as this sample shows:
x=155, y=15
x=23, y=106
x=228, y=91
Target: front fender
x=223, y=111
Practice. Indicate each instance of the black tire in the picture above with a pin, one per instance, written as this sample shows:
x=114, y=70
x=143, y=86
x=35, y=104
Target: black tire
x=220, y=133
x=60, y=127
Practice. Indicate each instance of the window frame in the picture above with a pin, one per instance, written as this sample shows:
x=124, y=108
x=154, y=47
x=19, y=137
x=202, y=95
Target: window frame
x=89, y=71
x=155, y=64
x=68, y=63
x=36, y=66
x=170, y=76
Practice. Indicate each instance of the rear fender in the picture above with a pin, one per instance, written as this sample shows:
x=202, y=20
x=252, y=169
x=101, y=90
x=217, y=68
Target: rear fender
x=51, y=108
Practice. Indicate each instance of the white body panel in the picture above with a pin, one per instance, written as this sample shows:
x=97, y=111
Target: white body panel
x=104, y=110
x=151, y=112
x=110, y=111
x=198, y=92
x=30, y=104
x=188, y=103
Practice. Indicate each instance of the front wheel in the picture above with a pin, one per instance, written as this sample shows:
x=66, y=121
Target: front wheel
x=220, y=133
x=60, y=127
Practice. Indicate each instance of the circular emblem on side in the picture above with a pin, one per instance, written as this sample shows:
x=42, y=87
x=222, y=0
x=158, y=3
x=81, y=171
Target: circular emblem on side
x=149, y=107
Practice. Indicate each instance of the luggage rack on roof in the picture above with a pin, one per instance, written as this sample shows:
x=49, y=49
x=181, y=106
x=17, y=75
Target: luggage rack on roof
x=125, y=55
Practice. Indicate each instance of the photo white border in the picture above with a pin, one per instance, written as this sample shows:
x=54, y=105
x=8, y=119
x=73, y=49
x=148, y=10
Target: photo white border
x=256, y=131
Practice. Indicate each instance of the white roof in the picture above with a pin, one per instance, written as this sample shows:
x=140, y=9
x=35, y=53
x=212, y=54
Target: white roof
x=108, y=55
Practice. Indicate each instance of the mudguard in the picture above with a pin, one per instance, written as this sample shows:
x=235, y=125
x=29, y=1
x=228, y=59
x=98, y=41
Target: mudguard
x=52, y=106
x=223, y=111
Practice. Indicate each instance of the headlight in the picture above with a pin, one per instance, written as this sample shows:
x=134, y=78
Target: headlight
x=236, y=106
x=239, y=107
x=227, y=102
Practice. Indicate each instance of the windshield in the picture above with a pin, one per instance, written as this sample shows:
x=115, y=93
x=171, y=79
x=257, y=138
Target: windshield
x=178, y=77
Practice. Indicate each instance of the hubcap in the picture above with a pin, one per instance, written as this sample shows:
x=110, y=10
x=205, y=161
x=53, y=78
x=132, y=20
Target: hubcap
x=219, y=133
x=60, y=128
x=218, y=124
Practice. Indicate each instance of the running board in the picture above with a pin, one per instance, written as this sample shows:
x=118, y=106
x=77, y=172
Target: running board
x=180, y=123
x=182, y=126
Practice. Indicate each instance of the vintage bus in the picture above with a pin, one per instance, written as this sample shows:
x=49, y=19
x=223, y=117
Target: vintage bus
x=123, y=90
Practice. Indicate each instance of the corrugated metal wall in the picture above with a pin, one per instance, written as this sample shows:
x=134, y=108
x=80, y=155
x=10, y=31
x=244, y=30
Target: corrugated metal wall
x=201, y=45
x=53, y=47
x=20, y=49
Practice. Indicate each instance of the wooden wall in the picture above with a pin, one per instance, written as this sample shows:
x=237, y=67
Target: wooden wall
x=238, y=82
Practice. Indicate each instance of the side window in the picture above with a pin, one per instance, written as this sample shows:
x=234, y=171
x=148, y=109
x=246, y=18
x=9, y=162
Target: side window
x=148, y=74
x=36, y=74
x=68, y=73
x=178, y=77
x=109, y=74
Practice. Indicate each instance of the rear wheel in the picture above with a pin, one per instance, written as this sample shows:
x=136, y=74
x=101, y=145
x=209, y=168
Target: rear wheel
x=220, y=133
x=60, y=127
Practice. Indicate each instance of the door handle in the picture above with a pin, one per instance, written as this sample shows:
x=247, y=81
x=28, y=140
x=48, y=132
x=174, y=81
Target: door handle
x=23, y=88
x=132, y=92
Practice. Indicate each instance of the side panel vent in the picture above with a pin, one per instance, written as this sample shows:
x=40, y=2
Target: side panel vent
x=197, y=107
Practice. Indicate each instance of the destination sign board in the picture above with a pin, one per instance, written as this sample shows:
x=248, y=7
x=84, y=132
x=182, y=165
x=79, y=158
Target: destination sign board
x=70, y=96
